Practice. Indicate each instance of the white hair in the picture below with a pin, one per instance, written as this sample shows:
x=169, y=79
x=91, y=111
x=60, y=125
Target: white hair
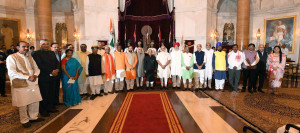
x=44, y=40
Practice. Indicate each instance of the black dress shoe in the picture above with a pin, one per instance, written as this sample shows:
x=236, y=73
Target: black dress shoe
x=152, y=88
x=45, y=114
x=111, y=92
x=37, y=120
x=105, y=93
x=254, y=90
x=26, y=125
x=243, y=90
x=92, y=97
x=261, y=91
x=3, y=95
x=53, y=111
x=236, y=91
x=250, y=91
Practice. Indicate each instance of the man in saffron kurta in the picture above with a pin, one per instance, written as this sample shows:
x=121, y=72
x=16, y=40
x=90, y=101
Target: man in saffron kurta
x=110, y=71
x=131, y=62
x=187, y=63
x=119, y=58
x=94, y=72
x=176, y=71
x=23, y=73
x=83, y=53
x=220, y=66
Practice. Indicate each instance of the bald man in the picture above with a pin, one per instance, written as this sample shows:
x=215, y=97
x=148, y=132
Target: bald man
x=109, y=70
x=261, y=66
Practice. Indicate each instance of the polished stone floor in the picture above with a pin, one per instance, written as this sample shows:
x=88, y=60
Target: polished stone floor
x=196, y=111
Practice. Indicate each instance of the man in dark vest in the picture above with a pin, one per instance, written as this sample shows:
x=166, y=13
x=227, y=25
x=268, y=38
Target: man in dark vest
x=49, y=67
x=249, y=66
x=2, y=73
x=94, y=72
x=261, y=66
x=199, y=67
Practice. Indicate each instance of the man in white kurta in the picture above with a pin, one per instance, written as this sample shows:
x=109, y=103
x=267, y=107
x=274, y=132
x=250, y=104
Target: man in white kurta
x=176, y=71
x=23, y=73
x=163, y=71
x=94, y=72
x=83, y=53
x=208, y=66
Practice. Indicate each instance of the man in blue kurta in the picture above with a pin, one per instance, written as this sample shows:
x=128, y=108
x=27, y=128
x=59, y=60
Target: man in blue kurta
x=220, y=66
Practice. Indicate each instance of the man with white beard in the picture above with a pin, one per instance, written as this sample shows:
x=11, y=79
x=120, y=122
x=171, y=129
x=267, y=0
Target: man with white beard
x=208, y=66
x=176, y=71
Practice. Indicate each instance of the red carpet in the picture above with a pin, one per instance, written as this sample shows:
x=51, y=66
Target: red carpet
x=146, y=112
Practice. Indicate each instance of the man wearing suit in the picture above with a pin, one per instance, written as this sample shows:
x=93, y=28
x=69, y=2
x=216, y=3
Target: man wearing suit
x=49, y=66
x=261, y=66
x=12, y=50
x=2, y=73
x=55, y=49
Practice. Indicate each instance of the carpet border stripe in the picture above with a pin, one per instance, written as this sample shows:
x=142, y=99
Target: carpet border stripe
x=172, y=119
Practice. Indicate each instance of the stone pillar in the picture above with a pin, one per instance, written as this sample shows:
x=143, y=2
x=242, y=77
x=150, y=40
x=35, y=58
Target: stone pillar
x=45, y=19
x=243, y=20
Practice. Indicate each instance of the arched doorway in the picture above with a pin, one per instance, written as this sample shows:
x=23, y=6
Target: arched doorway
x=138, y=13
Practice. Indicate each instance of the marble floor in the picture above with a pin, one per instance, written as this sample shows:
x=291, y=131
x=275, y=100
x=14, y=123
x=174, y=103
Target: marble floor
x=196, y=112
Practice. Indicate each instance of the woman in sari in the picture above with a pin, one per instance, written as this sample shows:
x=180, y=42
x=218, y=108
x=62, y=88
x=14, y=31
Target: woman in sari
x=71, y=71
x=276, y=63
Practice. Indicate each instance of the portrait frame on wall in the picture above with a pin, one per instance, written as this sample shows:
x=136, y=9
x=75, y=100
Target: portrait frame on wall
x=11, y=27
x=279, y=31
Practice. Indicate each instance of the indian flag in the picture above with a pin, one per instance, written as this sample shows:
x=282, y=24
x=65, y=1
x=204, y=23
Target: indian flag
x=112, y=35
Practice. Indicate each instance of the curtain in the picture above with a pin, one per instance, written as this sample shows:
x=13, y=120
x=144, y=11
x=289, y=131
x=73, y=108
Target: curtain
x=138, y=13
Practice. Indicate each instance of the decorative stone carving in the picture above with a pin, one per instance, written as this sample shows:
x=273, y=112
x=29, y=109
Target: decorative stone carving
x=61, y=34
x=228, y=31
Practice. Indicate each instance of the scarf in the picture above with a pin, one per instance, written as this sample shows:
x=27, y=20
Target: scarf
x=109, y=70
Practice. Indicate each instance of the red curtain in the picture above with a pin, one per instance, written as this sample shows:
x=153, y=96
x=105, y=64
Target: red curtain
x=146, y=12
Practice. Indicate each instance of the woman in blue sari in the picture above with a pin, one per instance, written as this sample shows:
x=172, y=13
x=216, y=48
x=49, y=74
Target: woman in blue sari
x=71, y=71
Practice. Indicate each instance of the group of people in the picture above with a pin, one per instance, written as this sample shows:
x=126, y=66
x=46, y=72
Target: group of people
x=35, y=76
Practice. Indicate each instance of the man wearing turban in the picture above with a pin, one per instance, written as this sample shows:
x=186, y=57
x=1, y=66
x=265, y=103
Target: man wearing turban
x=220, y=66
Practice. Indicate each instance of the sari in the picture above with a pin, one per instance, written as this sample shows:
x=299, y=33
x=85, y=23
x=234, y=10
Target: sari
x=71, y=94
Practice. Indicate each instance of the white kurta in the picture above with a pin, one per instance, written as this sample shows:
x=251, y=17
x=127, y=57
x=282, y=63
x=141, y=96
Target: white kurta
x=163, y=58
x=235, y=59
x=27, y=95
x=176, y=62
x=208, y=65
